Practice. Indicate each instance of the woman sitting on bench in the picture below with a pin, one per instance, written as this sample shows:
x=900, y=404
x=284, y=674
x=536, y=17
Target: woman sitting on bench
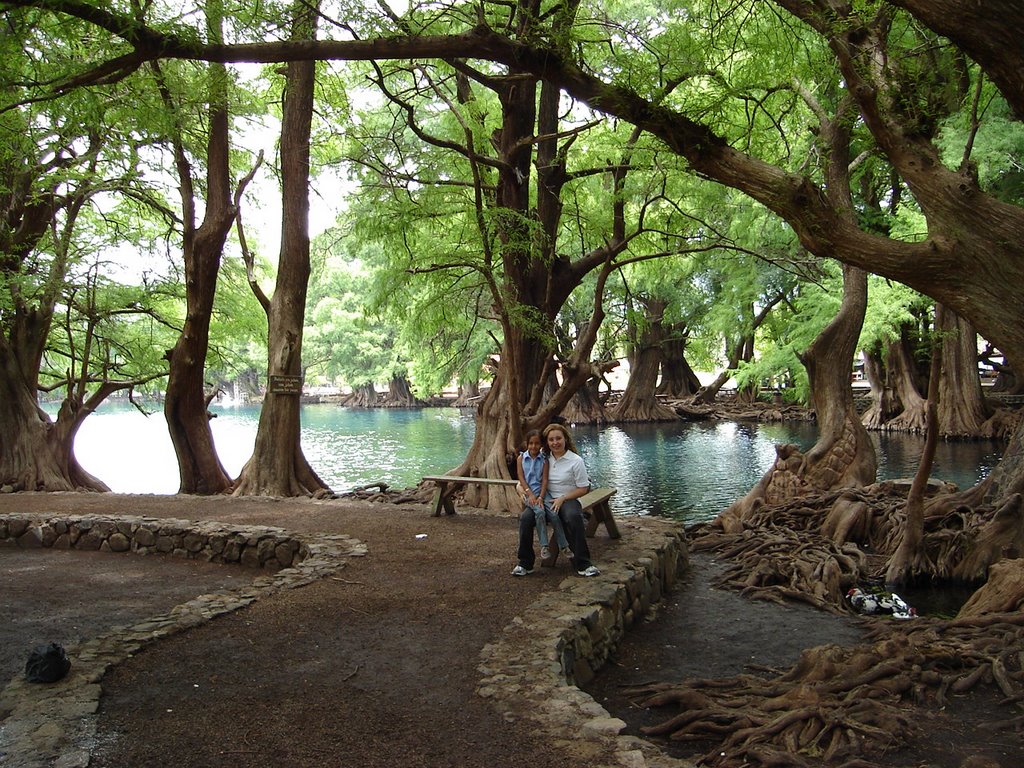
x=567, y=482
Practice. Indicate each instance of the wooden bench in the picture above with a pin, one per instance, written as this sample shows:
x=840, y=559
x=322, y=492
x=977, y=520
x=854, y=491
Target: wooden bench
x=596, y=511
x=447, y=485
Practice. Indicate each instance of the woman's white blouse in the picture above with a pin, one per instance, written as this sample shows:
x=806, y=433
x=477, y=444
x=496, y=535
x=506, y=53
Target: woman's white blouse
x=566, y=474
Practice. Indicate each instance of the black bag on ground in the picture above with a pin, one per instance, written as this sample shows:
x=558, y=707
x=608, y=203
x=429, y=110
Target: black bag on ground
x=47, y=664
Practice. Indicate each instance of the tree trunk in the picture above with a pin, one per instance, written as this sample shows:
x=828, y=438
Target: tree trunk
x=185, y=404
x=28, y=461
x=748, y=391
x=503, y=418
x=525, y=364
x=678, y=380
x=1007, y=381
x=34, y=454
x=910, y=561
x=742, y=349
x=903, y=375
x=586, y=407
x=638, y=402
x=246, y=386
x=884, y=401
x=37, y=454
x=400, y=395
x=843, y=455
x=1003, y=591
x=469, y=391
x=278, y=466
x=706, y=395
x=70, y=418
x=494, y=446
x=961, y=408
x=536, y=280
x=363, y=396
x=1007, y=478
x=1001, y=538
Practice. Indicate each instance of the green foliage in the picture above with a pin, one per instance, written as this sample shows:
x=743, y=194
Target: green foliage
x=105, y=261
x=733, y=67
x=108, y=332
x=998, y=147
x=238, y=327
x=891, y=306
x=429, y=265
x=344, y=339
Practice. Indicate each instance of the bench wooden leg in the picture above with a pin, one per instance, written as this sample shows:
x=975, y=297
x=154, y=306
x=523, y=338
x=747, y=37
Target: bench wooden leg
x=602, y=513
x=443, y=499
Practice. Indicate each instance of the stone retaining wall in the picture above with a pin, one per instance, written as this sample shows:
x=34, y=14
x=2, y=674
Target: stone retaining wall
x=252, y=546
x=533, y=671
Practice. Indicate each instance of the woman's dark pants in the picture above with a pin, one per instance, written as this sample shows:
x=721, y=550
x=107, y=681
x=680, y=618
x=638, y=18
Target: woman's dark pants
x=571, y=513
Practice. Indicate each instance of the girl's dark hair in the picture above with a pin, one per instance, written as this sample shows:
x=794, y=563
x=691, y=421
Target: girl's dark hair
x=531, y=433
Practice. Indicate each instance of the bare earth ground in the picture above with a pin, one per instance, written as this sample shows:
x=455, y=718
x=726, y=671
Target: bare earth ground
x=377, y=666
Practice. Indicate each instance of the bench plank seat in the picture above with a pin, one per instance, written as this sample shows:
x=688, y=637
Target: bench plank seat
x=447, y=485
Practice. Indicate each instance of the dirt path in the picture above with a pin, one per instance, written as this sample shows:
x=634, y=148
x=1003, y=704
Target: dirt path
x=59, y=596
x=377, y=666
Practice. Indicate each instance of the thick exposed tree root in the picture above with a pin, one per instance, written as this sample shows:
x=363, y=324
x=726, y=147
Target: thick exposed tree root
x=849, y=535
x=1002, y=423
x=841, y=706
x=380, y=492
x=779, y=564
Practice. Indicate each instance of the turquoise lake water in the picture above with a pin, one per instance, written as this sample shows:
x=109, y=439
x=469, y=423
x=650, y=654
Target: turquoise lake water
x=689, y=471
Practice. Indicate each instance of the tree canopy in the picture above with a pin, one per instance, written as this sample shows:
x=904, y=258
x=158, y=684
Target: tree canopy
x=510, y=156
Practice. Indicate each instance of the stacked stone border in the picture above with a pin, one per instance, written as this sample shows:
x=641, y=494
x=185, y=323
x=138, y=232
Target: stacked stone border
x=55, y=725
x=252, y=546
x=533, y=671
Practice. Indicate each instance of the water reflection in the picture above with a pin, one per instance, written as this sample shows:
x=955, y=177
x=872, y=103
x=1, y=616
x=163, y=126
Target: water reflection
x=682, y=470
x=960, y=463
x=689, y=471
x=398, y=446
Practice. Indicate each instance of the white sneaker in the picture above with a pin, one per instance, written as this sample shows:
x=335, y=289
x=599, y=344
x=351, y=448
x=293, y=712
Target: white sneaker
x=520, y=571
x=545, y=553
x=567, y=552
x=590, y=570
